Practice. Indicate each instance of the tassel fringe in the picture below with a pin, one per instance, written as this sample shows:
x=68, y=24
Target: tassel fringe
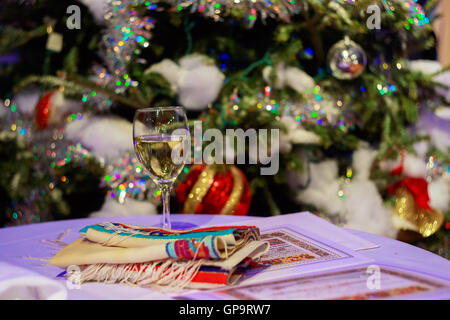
x=168, y=275
x=57, y=244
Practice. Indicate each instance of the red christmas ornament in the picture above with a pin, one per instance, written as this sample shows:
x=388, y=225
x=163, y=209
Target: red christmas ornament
x=214, y=190
x=46, y=112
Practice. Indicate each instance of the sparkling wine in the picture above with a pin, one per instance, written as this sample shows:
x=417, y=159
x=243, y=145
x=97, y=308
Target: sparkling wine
x=161, y=156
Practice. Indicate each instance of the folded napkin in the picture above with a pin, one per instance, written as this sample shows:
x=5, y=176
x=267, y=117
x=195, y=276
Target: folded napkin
x=17, y=283
x=200, y=258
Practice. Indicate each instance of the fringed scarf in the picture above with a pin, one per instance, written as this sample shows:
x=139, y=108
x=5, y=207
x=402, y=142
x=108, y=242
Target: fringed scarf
x=151, y=256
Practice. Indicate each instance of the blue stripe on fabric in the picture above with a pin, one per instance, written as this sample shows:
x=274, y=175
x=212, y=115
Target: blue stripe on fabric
x=191, y=235
x=213, y=269
x=85, y=229
x=211, y=246
x=170, y=250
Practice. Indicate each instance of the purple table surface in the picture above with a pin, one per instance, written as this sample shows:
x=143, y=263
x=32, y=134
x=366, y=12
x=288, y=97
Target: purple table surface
x=16, y=243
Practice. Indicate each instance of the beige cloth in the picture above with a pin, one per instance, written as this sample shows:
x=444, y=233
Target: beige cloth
x=83, y=251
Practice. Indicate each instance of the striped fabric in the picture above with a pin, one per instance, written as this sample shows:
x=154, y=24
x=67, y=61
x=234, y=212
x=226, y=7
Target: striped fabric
x=198, y=258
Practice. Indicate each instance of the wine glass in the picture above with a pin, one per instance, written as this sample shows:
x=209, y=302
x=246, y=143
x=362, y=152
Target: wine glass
x=160, y=135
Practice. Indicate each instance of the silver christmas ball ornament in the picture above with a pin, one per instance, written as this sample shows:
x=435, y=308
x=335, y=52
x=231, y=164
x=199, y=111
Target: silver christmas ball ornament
x=347, y=60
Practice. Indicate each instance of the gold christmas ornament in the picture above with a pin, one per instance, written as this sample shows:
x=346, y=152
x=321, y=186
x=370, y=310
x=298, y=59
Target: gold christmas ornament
x=408, y=215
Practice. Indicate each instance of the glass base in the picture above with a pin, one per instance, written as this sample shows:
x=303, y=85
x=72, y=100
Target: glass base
x=178, y=225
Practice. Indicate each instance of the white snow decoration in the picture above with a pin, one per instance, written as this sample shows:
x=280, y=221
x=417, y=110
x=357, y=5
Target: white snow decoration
x=365, y=210
x=323, y=188
x=26, y=101
x=412, y=166
x=424, y=66
x=329, y=106
x=196, y=80
x=362, y=163
x=97, y=9
x=421, y=148
x=443, y=112
x=403, y=224
x=61, y=107
x=436, y=127
x=298, y=79
x=108, y=138
x=430, y=67
x=439, y=192
x=169, y=70
x=295, y=135
x=289, y=77
x=444, y=78
x=279, y=84
x=131, y=207
x=440, y=138
x=194, y=60
x=362, y=207
x=199, y=87
x=341, y=12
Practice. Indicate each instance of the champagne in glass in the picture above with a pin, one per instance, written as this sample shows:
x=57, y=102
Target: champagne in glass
x=155, y=153
x=159, y=141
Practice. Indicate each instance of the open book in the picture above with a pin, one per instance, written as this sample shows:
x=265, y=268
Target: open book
x=310, y=258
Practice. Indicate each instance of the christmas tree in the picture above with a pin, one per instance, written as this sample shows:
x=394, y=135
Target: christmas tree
x=353, y=86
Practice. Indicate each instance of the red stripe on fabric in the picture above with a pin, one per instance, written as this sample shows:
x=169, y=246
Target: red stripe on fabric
x=219, y=228
x=200, y=277
x=211, y=277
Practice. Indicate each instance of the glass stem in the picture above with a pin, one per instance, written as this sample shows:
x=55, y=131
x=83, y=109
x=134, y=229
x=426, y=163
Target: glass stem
x=165, y=192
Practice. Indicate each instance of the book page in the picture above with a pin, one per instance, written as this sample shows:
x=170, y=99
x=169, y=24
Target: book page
x=296, y=251
x=358, y=283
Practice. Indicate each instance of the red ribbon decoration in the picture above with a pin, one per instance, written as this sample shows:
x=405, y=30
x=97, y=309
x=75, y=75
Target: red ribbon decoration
x=418, y=188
